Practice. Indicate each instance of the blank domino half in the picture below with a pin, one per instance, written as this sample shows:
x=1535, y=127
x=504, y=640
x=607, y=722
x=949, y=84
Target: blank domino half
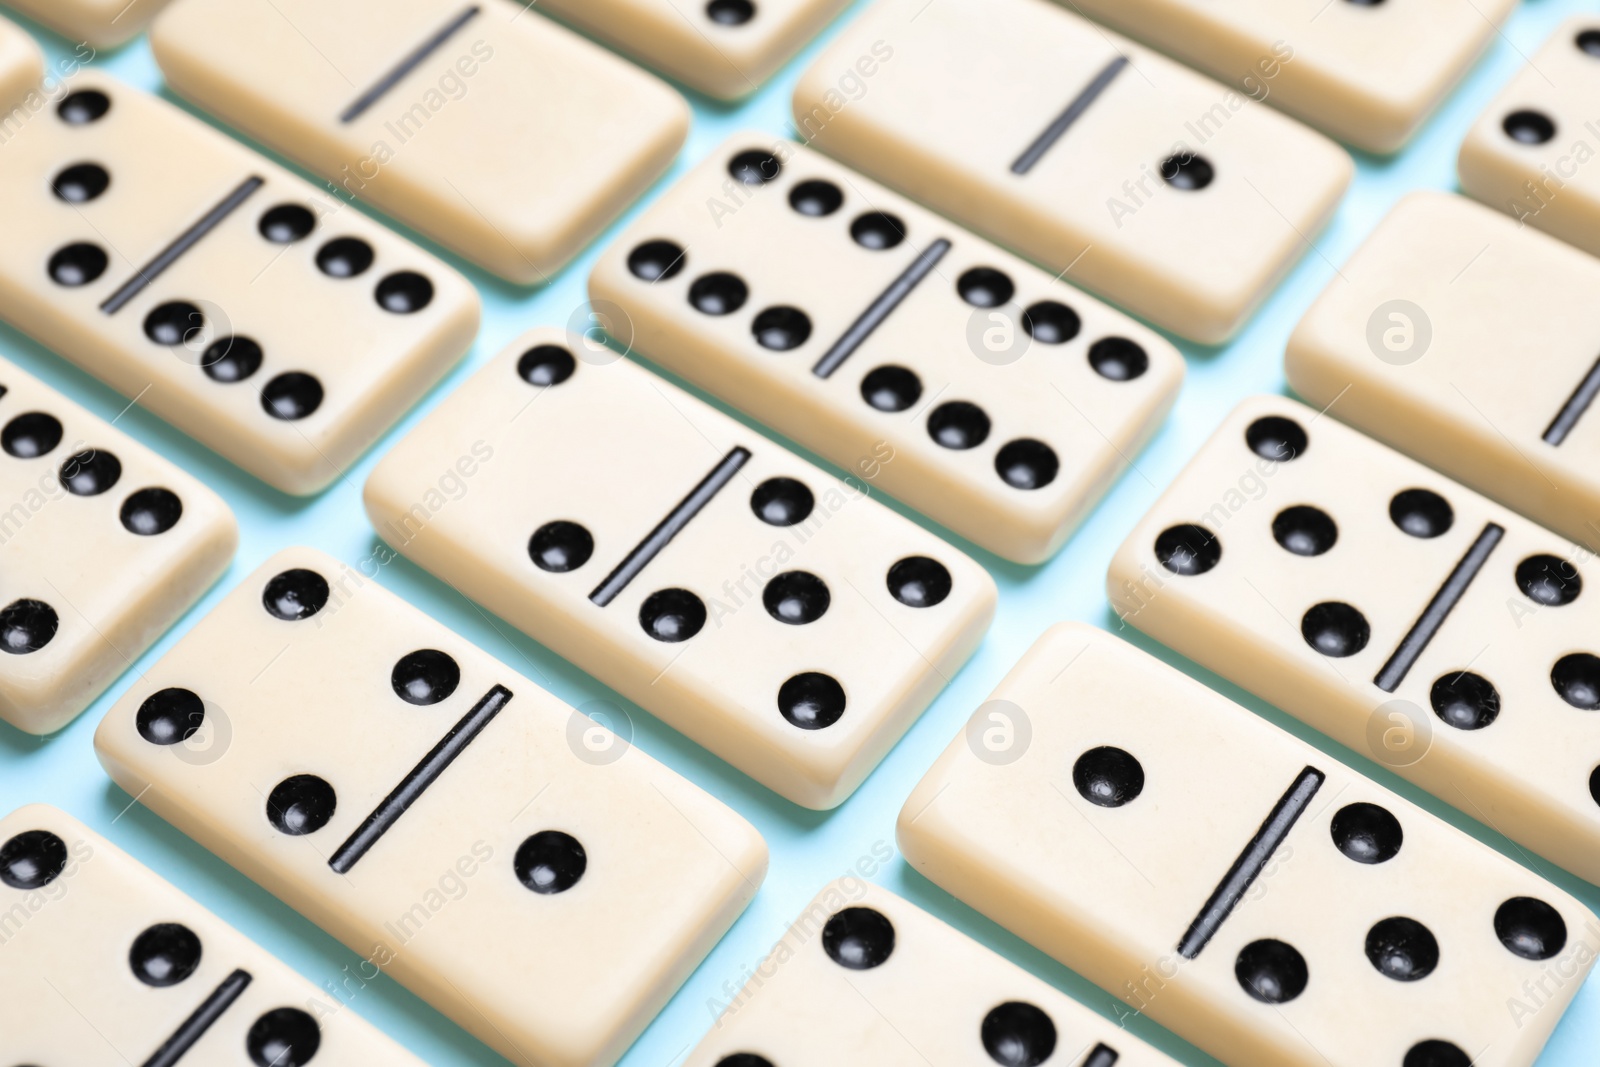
x=1528, y=153
x=1400, y=613
x=777, y=616
x=103, y=545
x=725, y=48
x=1467, y=341
x=861, y=325
x=1157, y=188
x=364, y=763
x=106, y=965
x=862, y=976
x=101, y=23
x=1233, y=883
x=268, y=320
x=1366, y=73
x=502, y=136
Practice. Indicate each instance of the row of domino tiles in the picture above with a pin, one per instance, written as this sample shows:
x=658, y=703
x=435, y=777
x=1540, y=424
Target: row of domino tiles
x=543, y=362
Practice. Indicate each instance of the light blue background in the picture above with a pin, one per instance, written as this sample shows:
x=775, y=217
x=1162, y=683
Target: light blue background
x=808, y=848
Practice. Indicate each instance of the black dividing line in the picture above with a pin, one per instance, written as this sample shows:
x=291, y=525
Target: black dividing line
x=186, y=240
x=1248, y=866
x=424, y=774
x=195, y=1026
x=1575, y=406
x=1080, y=103
x=881, y=308
x=676, y=520
x=1101, y=1056
x=410, y=63
x=1438, y=609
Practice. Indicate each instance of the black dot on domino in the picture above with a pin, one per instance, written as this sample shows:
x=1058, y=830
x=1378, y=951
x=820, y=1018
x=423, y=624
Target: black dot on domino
x=560, y=546
x=291, y=396
x=1436, y=1053
x=744, y=1059
x=858, y=939
x=295, y=594
x=985, y=287
x=1530, y=928
x=1276, y=438
x=32, y=859
x=919, y=582
x=151, y=511
x=404, y=292
x=286, y=224
x=1549, y=581
x=26, y=626
x=1118, y=359
x=1335, y=629
x=755, y=166
x=231, y=359
x=816, y=198
x=796, y=597
x=283, y=1037
x=31, y=435
x=169, y=716
x=781, y=328
x=1304, y=530
x=782, y=502
x=1464, y=700
x=959, y=425
x=90, y=472
x=1271, y=971
x=811, y=700
x=877, y=231
x=344, y=257
x=545, y=365
x=656, y=261
x=1026, y=463
x=1108, y=777
x=1188, y=549
x=78, y=264
x=425, y=676
x=1051, y=322
x=1529, y=127
x=301, y=804
x=1594, y=785
x=1576, y=677
x=80, y=183
x=718, y=293
x=1018, y=1034
x=550, y=862
x=1421, y=513
x=1367, y=833
x=1588, y=42
x=730, y=12
x=1402, y=948
x=1187, y=172
x=891, y=388
x=164, y=955
x=672, y=615
x=173, y=323
x=83, y=107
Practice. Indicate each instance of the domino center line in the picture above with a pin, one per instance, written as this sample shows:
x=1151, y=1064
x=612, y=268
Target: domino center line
x=186, y=240
x=1438, y=609
x=1285, y=813
x=1101, y=1056
x=413, y=59
x=1080, y=103
x=880, y=309
x=195, y=1026
x=669, y=527
x=1573, y=409
x=423, y=775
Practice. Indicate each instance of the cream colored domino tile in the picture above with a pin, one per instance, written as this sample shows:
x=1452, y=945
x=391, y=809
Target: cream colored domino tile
x=21, y=71
x=724, y=48
x=1400, y=613
x=1157, y=188
x=104, y=964
x=775, y=615
x=1367, y=73
x=1527, y=152
x=863, y=976
x=502, y=136
x=103, y=545
x=357, y=755
x=251, y=310
x=1233, y=883
x=953, y=375
x=1465, y=340
x=100, y=23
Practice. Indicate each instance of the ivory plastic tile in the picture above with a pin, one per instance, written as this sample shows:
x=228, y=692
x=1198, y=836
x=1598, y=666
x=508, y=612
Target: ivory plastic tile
x=782, y=619
x=99, y=23
x=528, y=873
x=951, y=374
x=1233, y=883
